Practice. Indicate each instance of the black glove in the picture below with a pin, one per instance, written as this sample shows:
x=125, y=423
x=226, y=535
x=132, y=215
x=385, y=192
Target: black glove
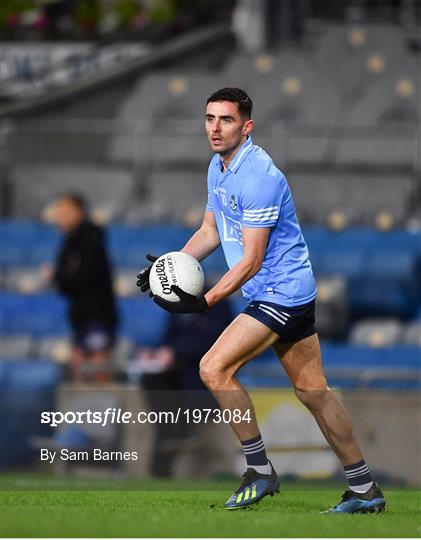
x=143, y=275
x=187, y=304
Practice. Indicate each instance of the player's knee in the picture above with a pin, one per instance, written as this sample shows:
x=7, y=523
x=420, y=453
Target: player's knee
x=312, y=398
x=211, y=373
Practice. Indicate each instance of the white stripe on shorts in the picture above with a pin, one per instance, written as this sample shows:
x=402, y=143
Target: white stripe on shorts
x=262, y=308
x=275, y=312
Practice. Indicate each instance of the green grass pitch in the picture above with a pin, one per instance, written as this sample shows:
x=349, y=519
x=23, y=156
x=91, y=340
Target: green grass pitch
x=72, y=508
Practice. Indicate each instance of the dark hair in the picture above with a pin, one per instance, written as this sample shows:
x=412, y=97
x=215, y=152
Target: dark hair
x=77, y=199
x=235, y=95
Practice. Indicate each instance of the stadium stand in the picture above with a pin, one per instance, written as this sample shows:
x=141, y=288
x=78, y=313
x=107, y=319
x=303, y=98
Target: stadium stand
x=167, y=104
x=184, y=192
x=317, y=195
x=376, y=332
x=341, y=118
x=17, y=347
x=332, y=309
x=348, y=367
x=381, y=269
x=27, y=388
x=56, y=348
x=412, y=333
x=36, y=187
x=24, y=280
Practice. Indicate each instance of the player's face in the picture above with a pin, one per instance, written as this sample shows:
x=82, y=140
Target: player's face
x=225, y=127
x=67, y=215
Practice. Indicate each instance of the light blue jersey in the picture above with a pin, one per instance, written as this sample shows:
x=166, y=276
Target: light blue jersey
x=254, y=193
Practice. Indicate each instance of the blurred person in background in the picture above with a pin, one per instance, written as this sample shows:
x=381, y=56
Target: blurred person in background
x=83, y=275
x=171, y=379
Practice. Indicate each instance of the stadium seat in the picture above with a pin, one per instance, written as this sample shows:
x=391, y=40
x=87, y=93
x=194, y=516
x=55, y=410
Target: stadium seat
x=123, y=352
x=412, y=333
x=27, y=389
x=286, y=107
x=16, y=347
x=183, y=192
x=26, y=242
x=238, y=303
x=125, y=283
x=170, y=107
x=56, y=348
x=394, y=264
x=317, y=195
x=25, y=280
x=376, y=79
x=37, y=315
x=142, y=321
x=214, y=266
x=382, y=298
x=130, y=245
x=332, y=310
x=108, y=190
x=376, y=332
x=347, y=367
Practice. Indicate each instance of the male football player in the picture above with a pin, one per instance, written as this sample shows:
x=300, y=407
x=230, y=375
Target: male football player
x=250, y=212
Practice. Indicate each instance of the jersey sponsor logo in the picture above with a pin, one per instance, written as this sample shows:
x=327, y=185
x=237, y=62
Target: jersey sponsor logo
x=231, y=229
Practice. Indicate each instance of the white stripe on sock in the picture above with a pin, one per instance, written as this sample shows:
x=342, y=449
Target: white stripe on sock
x=360, y=473
x=255, y=451
x=351, y=471
x=251, y=446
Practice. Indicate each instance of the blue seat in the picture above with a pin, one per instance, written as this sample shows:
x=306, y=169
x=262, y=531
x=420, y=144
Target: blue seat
x=27, y=388
x=238, y=303
x=344, y=262
x=395, y=264
x=15, y=238
x=25, y=242
x=30, y=374
x=215, y=263
x=142, y=321
x=171, y=235
x=44, y=246
x=362, y=356
x=11, y=306
x=38, y=315
x=375, y=297
x=129, y=245
x=344, y=365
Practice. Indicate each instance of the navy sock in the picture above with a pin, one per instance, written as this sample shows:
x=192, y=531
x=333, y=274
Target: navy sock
x=359, y=477
x=255, y=453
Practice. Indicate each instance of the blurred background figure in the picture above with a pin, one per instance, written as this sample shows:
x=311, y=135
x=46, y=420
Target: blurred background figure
x=83, y=275
x=170, y=379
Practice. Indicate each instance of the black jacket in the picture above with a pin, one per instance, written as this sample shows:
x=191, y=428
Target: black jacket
x=83, y=274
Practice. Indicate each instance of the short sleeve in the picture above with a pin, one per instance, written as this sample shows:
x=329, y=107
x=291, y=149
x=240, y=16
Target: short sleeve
x=261, y=200
x=209, y=205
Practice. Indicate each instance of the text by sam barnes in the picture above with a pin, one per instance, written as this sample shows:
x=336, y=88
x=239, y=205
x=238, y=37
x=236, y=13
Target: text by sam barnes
x=95, y=454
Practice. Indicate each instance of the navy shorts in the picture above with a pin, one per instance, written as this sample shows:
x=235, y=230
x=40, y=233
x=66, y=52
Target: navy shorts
x=290, y=323
x=93, y=336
